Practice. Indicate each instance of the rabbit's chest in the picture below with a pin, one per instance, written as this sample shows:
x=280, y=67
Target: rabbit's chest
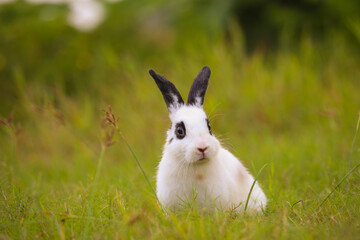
x=204, y=185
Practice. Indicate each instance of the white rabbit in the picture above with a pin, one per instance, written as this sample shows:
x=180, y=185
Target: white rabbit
x=194, y=166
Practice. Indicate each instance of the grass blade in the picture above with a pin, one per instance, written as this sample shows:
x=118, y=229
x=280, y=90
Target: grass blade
x=337, y=185
x=252, y=187
x=139, y=165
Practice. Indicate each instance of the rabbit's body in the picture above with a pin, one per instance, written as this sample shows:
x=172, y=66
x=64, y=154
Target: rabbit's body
x=195, y=168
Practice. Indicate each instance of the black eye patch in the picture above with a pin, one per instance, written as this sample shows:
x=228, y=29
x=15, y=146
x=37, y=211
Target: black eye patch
x=180, y=130
x=208, y=125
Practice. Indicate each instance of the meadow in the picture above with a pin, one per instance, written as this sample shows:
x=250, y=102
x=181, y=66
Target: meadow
x=65, y=173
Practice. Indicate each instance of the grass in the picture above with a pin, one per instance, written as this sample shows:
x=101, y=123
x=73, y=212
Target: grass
x=65, y=174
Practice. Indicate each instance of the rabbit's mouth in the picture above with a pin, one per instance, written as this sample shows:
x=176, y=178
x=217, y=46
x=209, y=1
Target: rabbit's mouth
x=201, y=156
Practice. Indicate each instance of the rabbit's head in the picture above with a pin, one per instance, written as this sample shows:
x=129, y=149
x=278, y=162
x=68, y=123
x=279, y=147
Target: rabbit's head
x=189, y=139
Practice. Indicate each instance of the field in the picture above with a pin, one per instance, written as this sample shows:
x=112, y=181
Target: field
x=66, y=174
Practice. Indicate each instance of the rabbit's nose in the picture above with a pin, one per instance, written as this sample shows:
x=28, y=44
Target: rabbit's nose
x=202, y=150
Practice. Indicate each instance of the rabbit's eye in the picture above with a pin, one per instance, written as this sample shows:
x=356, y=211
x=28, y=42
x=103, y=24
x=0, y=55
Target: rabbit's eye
x=180, y=130
x=208, y=125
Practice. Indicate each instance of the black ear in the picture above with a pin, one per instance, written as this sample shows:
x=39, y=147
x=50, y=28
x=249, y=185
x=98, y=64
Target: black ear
x=171, y=95
x=198, y=88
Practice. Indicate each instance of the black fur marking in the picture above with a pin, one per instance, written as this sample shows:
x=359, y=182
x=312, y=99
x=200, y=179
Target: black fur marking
x=171, y=139
x=208, y=125
x=180, y=130
x=199, y=86
x=171, y=95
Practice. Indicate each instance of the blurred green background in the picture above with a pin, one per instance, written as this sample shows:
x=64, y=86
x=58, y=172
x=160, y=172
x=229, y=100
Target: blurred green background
x=284, y=91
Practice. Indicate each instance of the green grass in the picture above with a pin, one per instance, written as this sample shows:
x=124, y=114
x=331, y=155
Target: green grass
x=295, y=111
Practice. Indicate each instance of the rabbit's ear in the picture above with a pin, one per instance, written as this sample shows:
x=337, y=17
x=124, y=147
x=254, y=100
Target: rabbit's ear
x=198, y=88
x=171, y=95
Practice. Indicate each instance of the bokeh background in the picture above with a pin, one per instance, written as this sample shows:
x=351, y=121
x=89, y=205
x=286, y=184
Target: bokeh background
x=284, y=91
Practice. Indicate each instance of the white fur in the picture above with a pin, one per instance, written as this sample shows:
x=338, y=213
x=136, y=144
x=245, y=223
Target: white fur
x=219, y=179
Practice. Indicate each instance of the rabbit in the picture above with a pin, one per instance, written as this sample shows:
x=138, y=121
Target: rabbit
x=194, y=166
